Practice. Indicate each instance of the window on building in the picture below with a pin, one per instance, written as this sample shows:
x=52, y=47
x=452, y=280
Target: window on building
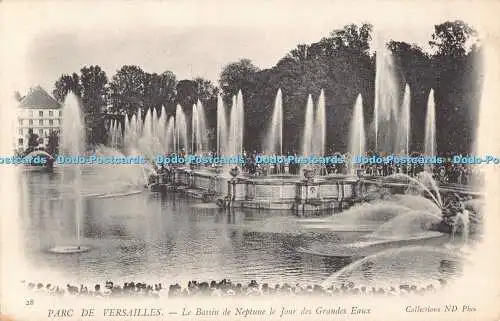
x=60, y=113
x=51, y=122
x=20, y=141
x=51, y=113
x=40, y=122
x=40, y=131
x=31, y=113
x=31, y=121
x=40, y=113
x=20, y=131
x=20, y=122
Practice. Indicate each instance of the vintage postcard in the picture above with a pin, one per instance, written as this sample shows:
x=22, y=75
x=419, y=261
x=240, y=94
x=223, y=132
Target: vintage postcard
x=250, y=160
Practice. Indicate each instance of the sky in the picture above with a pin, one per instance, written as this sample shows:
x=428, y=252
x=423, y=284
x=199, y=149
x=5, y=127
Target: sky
x=195, y=38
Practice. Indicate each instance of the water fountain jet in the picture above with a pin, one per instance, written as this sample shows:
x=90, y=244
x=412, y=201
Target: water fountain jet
x=73, y=144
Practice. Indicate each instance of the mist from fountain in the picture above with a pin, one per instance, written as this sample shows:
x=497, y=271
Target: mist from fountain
x=431, y=188
x=411, y=225
x=386, y=101
x=118, y=178
x=462, y=223
x=274, y=138
x=430, y=130
x=357, y=139
x=417, y=203
x=404, y=124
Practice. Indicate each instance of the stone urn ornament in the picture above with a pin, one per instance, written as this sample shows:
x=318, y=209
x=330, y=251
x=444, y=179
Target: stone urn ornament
x=309, y=173
x=234, y=171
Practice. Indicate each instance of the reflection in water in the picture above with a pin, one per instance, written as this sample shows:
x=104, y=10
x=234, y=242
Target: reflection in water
x=151, y=237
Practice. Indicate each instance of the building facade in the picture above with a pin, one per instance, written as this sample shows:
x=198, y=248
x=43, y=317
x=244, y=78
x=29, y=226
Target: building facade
x=37, y=113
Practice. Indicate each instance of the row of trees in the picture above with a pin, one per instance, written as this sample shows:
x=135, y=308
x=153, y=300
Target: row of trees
x=341, y=64
x=128, y=90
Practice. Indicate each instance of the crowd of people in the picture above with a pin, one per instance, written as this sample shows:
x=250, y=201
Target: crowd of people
x=226, y=288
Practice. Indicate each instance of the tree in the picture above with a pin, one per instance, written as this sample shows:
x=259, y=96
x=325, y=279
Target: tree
x=299, y=54
x=454, y=70
x=93, y=82
x=66, y=84
x=53, y=143
x=451, y=38
x=205, y=90
x=353, y=38
x=235, y=76
x=160, y=90
x=127, y=90
x=186, y=93
x=33, y=141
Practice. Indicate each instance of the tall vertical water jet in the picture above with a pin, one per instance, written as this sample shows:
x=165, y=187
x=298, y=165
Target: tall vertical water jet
x=202, y=128
x=155, y=141
x=180, y=130
x=430, y=129
x=232, y=130
x=386, y=101
x=195, y=139
x=308, y=128
x=222, y=140
x=274, y=137
x=236, y=126
x=126, y=133
x=111, y=136
x=404, y=124
x=162, y=125
x=119, y=135
x=72, y=144
x=170, y=136
x=146, y=141
x=357, y=139
x=138, y=117
x=320, y=126
x=133, y=135
x=241, y=122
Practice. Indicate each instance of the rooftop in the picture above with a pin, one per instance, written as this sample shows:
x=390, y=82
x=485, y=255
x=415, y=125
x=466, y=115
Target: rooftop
x=38, y=98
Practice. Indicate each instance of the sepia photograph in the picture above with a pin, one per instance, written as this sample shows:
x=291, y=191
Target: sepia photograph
x=250, y=160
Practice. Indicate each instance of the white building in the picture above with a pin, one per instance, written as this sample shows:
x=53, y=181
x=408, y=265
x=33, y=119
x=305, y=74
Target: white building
x=40, y=113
